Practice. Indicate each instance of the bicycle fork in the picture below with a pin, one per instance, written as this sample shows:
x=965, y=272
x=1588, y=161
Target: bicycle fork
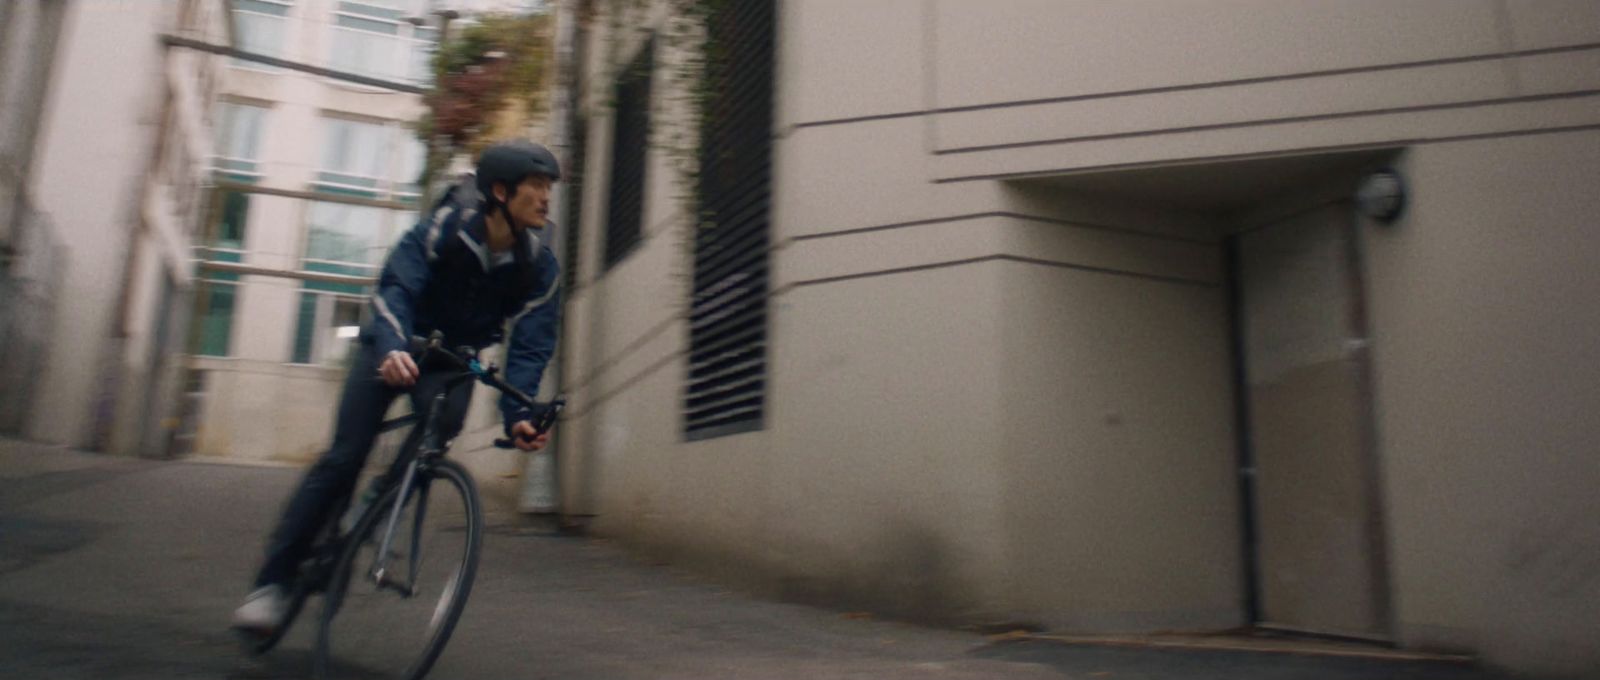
x=380, y=568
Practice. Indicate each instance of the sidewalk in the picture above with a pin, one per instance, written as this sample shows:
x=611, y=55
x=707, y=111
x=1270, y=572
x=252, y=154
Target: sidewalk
x=122, y=568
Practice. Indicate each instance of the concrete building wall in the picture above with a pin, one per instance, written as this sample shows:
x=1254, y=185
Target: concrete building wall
x=107, y=88
x=1485, y=382
x=28, y=33
x=1275, y=78
x=127, y=134
x=29, y=246
x=1000, y=358
x=1120, y=501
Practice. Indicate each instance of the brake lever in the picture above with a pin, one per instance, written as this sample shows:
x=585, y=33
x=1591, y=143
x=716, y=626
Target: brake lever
x=546, y=420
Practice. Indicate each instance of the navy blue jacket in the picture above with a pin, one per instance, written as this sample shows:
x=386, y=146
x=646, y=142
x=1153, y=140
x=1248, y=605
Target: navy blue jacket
x=442, y=277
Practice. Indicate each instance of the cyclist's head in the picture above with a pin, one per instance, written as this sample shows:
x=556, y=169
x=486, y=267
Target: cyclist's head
x=515, y=176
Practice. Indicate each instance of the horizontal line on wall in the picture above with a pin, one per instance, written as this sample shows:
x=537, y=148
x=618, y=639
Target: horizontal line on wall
x=1263, y=122
x=1206, y=85
x=996, y=258
x=591, y=404
x=645, y=236
x=1002, y=213
x=1256, y=155
x=605, y=364
x=864, y=119
x=588, y=406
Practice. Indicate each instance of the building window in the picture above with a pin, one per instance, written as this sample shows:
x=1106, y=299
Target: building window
x=726, y=390
x=329, y=324
x=350, y=240
x=371, y=160
x=353, y=154
x=235, y=211
x=629, y=143
x=259, y=27
x=353, y=236
x=218, y=291
x=424, y=43
x=214, y=331
x=413, y=157
x=374, y=38
x=239, y=129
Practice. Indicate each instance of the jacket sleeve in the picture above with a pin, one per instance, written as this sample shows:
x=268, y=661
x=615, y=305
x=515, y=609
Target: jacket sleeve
x=404, y=276
x=533, y=337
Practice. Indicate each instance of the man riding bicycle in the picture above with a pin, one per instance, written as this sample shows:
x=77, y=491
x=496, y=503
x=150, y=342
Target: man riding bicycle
x=476, y=262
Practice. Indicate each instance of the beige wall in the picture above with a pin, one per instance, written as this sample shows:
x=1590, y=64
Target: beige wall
x=1482, y=303
x=1064, y=94
x=1119, y=498
x=1022, y=390
x=107, y=87
x=29, y=30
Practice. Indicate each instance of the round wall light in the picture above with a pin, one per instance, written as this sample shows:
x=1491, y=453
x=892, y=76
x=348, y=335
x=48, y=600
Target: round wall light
x=1382, y=196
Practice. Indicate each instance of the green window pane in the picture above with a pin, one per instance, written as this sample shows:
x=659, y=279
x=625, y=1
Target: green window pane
x=333, y=268
x=272, y=8
x=348, y=234
x=216, y=320
x=306, y=328
x=371, y=10
x=230, y=231
x=236, y=177
x=341, y=178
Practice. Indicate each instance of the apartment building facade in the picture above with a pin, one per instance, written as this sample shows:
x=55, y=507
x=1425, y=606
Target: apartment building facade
x=117, y=170
x=1110, y=317
x=316, y=177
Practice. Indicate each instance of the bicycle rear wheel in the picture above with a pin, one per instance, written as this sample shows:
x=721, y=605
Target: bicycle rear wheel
x=399, y=629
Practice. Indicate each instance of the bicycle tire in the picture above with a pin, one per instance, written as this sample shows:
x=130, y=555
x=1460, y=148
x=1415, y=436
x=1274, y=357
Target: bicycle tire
x=343, y=587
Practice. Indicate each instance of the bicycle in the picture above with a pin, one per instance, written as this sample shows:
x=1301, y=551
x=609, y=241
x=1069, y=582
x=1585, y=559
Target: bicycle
x=390, y=572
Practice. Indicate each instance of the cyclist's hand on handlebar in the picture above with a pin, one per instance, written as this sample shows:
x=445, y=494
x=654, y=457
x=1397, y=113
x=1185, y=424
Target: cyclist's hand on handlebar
x=398, y=370
x=526, y=437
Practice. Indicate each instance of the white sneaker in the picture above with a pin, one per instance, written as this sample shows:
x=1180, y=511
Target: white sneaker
x=262, y=610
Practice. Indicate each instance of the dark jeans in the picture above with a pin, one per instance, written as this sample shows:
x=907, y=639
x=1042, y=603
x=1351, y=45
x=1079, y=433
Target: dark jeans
x=361, y=409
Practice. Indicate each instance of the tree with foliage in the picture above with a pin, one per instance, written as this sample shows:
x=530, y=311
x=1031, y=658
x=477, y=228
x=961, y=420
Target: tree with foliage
x=496, y=63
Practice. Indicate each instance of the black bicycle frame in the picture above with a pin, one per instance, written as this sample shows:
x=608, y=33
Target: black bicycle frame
x=428, y=449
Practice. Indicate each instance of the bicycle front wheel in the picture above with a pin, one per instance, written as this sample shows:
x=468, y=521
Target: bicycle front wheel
x=391, y=614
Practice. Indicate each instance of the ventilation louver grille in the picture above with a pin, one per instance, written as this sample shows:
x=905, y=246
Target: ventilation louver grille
x=728, y=317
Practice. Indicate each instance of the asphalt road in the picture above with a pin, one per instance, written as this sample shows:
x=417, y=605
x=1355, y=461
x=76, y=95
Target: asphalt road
x=120, y=568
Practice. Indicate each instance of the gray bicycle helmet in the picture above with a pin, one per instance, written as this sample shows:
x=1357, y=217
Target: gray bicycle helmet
x=512, y=161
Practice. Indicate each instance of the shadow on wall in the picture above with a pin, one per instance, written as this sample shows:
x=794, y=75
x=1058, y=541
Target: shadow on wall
x=910, y=575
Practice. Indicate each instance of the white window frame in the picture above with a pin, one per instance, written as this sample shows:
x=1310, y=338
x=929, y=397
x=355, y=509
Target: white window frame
x=324, y=338
x=400, y=163
x=324, y=169
x=278, y=50
x=403, y=40
x=391, y=228
x=221, y=161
